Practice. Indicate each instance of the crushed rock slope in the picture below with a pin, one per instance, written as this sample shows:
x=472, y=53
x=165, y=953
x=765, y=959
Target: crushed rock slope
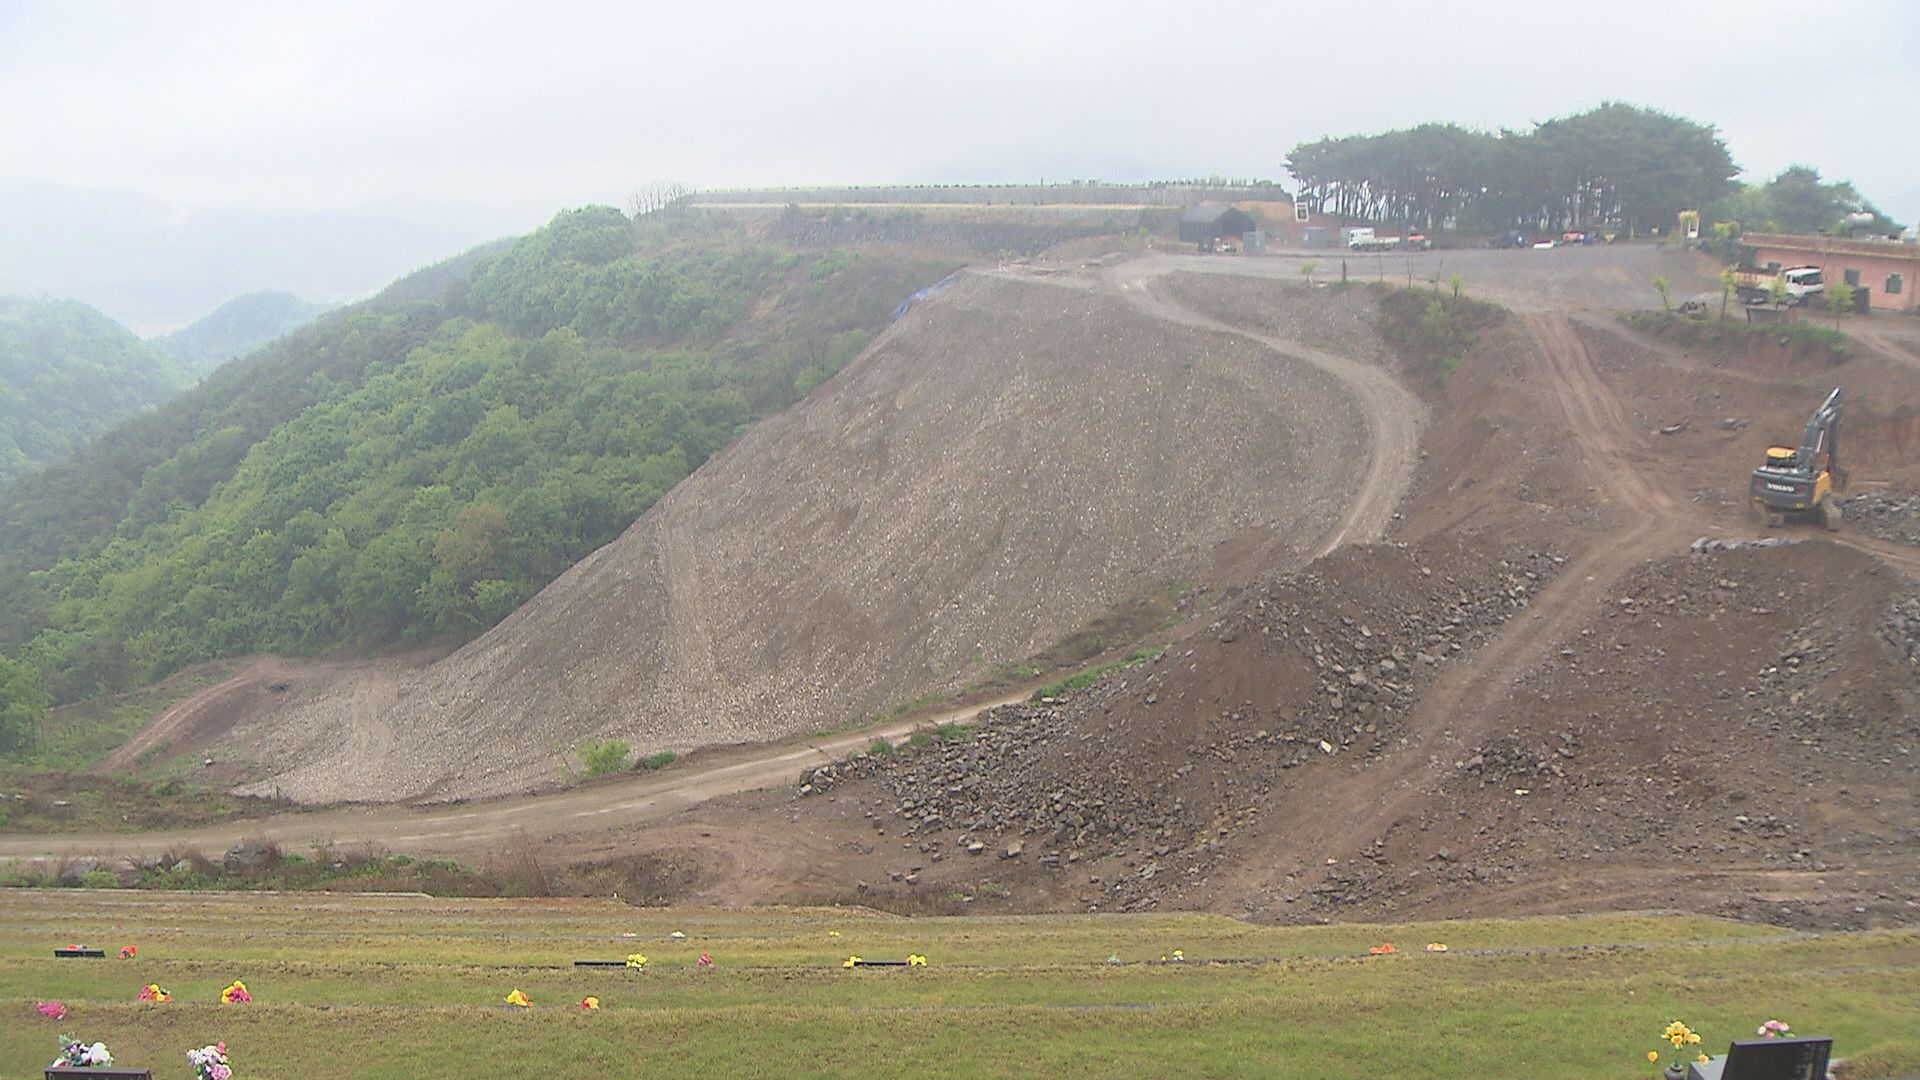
x=1008, y=461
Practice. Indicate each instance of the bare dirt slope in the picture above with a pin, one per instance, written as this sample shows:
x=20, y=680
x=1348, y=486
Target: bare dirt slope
x=1008, y=461
x=1546, y=701
x=1534, y=696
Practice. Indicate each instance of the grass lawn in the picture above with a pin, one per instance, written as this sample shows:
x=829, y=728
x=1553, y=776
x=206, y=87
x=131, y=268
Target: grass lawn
x=404, y=986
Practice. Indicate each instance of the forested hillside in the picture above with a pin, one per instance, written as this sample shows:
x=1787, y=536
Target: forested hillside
x=236, y=328
x=67, y=373
x=415, y=468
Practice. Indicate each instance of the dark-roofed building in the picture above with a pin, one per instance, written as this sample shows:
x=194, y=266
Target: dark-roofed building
x=1206, y=225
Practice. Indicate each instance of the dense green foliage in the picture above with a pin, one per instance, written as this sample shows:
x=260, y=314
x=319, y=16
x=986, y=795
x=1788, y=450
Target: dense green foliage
x=1797, y=201
x=416, y=469
x=237, y=328
x=68, y=373
x=1616, y=165
x=22, y=705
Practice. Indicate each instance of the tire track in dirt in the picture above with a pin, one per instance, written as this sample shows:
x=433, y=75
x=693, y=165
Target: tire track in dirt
x=1393, y=415
x=482, y=828
x=1466, y=700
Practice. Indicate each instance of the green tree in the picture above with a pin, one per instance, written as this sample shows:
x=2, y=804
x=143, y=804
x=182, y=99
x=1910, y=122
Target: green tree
x=22, y=705
x=1840, y=296
x=1729, y=278
x=1777, y=292
x=1307, y=268
x=1665, y=289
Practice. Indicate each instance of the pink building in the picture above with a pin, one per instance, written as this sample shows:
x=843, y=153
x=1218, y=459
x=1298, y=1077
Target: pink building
x=1888, y=270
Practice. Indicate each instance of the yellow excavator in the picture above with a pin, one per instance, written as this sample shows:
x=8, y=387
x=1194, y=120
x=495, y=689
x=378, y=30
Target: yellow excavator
x=1803, y=481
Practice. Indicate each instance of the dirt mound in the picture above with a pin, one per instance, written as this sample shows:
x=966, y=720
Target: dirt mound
x=1007, y=462
x=1173, y=762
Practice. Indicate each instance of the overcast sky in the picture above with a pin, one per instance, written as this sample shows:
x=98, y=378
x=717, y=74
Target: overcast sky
x=528, y=108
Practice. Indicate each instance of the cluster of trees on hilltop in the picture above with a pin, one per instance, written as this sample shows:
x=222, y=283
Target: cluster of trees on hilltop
x=1796, y=201
x=68, y=373
x=416, y=468
x=1616, y=165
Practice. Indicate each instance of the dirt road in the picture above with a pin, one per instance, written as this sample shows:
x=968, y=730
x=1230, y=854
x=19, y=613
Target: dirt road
x=479, y=828
x=1394, y=417
x=1455, y=713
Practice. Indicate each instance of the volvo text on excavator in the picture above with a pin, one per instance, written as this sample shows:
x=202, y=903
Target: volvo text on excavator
x=1804, y=481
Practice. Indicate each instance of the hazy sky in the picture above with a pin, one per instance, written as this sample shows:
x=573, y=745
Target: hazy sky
x=527, y=108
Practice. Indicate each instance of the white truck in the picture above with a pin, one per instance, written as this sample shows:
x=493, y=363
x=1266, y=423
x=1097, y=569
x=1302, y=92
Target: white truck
x=1362, y=238
x=1803, y=283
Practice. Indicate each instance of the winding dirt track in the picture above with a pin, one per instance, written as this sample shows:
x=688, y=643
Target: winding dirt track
x=481, y=828
x=1394, y=417
x=1463, y=703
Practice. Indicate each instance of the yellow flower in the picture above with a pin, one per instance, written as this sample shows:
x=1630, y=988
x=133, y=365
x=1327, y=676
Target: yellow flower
x=1692, y=1037
x=636, y=960
x=851, y=961
x=1703, y=1059
x=1653, y=1055
x=518, y=1000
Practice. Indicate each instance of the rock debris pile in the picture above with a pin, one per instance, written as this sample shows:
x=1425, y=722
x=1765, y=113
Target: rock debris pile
x=1885, y=513
x=1153, y=767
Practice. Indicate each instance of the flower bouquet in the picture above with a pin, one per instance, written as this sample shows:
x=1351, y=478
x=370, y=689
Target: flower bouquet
x=52, y=1010
x=152, y=992
x=590, y=1002
x=1772, y=1029
x=128, y=952
x=519, y=1000
x=636, y=960
x=210, y=1062
x=235, y=994
x=916, y=960
x=1684, y=1041
x=75, y=1054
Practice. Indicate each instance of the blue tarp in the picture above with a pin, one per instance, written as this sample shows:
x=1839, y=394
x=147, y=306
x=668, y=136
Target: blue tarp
x=934, y=289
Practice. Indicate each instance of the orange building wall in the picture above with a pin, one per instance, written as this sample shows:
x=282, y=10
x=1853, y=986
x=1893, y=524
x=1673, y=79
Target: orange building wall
x=1835, y=257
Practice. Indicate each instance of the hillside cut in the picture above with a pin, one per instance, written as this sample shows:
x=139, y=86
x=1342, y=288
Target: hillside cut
x=1008, y=461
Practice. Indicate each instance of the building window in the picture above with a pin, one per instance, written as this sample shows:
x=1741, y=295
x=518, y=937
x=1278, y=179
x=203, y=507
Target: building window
x=1773, y=268
x=1894, y=282
x=1853, y=278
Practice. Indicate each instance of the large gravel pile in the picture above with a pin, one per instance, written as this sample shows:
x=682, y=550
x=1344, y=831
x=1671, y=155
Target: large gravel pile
x=1008, y=461
x=1166, y=763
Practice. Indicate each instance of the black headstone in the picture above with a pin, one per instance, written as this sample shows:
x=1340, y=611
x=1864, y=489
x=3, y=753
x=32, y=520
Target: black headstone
x=1778, y=1059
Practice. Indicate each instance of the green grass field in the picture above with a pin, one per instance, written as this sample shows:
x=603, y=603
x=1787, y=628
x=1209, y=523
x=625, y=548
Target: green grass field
x=405, y=986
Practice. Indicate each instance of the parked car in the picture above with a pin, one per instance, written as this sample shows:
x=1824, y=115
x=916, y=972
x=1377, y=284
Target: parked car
x=1512, y=238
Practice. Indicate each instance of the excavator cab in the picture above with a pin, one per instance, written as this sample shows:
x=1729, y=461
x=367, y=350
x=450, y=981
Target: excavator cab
x=1803, y=481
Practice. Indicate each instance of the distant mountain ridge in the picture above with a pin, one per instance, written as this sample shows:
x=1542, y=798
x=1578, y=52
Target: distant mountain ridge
x=156, y=267
x=68, y=373
x=237, y=328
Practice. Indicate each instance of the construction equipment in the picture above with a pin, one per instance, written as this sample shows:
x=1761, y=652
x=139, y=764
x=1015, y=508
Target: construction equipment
x=1804, y=481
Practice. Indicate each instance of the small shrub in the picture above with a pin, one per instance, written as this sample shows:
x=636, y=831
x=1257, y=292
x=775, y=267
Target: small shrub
x=99, y=879
x=919, y=739
x=880, y=748
x=603, y=756
x=658, y=761
x=950, y=732
x=4, y=819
